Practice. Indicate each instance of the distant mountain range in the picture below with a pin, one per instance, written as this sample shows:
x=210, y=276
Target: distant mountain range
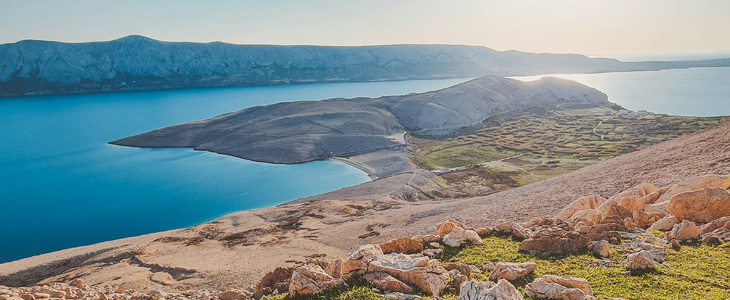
x=139, y=63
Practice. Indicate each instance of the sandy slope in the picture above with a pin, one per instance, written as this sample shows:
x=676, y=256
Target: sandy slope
x=242, y=246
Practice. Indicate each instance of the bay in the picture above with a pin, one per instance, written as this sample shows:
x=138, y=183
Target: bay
x=62, y=185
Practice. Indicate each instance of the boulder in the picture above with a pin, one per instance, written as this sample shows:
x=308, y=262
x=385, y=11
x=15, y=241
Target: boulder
x=591, y=215
x=520, y=232
x=684, y=231
x=477, y=290
x=446, y=226
x=276, y=278
x=432, y=252
x=716, y=231
x=663, y=224
x=640, y=260
x=459, y=235
x=386, y=282
x=512, y=271
x=427, y=238
x=588, y=202
x=484, y=231
x=695, y=183
x=366, y=253
x=702, y=205
x=643, y=219
x=309, y=279
x=401, y=245
x=550, y=241
x=416, y=270
x=614, y=210
x=462, y=268
x=600, y=248
x=457, y=278
x=559, y=287
x=599, y=230
x=505, y=225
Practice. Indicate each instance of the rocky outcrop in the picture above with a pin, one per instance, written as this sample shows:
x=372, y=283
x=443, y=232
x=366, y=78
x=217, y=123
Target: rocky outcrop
x=664, y=224
x=512, y=271
x=584, y=203
x=459, y=235
x=600, y=248
x=557, y=287
x=702, y=205
x=716, y=231
x=476, y=290
x=309, y=279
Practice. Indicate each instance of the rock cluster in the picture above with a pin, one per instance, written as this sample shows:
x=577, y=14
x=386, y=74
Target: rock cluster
x=557, y=287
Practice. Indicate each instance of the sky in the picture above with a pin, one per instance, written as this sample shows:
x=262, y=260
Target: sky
x=611, y=28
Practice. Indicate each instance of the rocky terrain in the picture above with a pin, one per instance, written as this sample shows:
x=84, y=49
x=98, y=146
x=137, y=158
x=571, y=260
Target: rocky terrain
x=296, y=132
x=242, y=247
x=138, y=63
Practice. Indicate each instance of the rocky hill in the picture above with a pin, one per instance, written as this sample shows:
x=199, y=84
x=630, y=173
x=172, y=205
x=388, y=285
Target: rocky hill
x=137, y=63
x=298, y=132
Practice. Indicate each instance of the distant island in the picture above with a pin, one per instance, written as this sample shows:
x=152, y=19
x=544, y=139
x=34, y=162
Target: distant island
x=138, y=63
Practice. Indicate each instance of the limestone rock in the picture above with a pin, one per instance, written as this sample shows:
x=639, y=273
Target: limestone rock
x=640, y=260
x=462, y=268
x=520, y=232
x=427, y=238
x=484, y=231
x=459, y=235
x=702, y=205
x=309, y=279
x=79, y=284
x=600, y=248
x=476, y=290
x=558, y=287
x=591, y=215
x=643, y=219
x=551, y=241
x=415, y=270
x=716, y=231
x=588, y=202
x=663, y=224
x=432, y=252
x=446, y=226
x=695, y=183
x=386, y=282
x=401, y=296
x=366, y=253
x=505, y=225
x=512, y=271
x=401, y=245
x=684, y=231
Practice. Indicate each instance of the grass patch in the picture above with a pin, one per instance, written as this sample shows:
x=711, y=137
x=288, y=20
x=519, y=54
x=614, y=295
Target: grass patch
x=455, y=155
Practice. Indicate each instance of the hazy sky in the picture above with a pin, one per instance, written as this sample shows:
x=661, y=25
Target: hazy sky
x=592, y=27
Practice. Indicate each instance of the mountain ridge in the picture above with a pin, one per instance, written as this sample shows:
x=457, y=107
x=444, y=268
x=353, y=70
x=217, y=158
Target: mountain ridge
x=34, y=67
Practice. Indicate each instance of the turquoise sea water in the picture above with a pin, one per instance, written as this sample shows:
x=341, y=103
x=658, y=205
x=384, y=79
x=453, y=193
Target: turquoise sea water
x=62, y=185
x=703, y=92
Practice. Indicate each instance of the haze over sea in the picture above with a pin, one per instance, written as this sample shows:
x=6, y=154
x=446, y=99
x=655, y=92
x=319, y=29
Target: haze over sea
x=62, y=185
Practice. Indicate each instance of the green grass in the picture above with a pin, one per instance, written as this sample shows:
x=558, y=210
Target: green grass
x=445, y=156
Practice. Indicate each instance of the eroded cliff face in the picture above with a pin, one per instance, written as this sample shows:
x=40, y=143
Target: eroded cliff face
x=297, y=132
x=136, y=62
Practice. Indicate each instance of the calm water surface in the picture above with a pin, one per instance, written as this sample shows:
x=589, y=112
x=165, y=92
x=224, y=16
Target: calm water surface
x=62, y=185
x=701, y=92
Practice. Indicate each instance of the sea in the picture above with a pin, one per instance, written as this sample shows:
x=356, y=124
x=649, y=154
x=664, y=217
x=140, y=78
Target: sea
x=62, y=185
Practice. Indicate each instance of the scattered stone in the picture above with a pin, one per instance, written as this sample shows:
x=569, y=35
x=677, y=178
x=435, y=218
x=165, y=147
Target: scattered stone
x=663, y=224
x=427, y=238
x=434, y=245
x=459, y=235
x=600, y=248
x=489, y=267
x=520, y=232
x=476, y=290
x=401, y=245
x=279, y=278
x=552, y=241
x=590, y=215
x=79, y=284
x=309, y=279
x=485, y=231
x=558, y=287
x=512, y=271
x=640, y=260
x=505, y=225
x=366, y=253
x=684, y=231
x=462, y=268
x=386, y=282
x=702, y=205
